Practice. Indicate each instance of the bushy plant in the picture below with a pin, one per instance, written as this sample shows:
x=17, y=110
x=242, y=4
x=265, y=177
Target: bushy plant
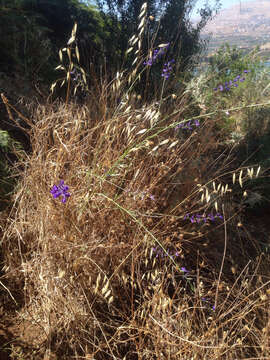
x=231, y=82
x=125, y=232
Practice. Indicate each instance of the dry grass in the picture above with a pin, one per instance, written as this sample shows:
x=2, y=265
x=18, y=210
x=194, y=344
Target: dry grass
x=93, y=286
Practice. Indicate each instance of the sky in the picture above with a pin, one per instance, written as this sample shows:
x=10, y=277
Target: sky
x=200, y=4
x=224, y=4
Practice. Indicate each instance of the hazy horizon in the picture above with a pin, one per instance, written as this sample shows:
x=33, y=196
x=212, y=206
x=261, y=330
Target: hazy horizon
x=224, y=4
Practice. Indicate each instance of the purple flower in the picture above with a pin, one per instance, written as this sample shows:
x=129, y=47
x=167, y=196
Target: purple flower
x=161, y=253
x=179, y=126
x=157, y=53
x=201, y=217
x=211, y=217
x=167, y=69
x=59, y=190
x=184, y=270
x=149, y=62
x=188, y=126
x=228, y=84
x=237, y=78
x=161, y=51
x=221, y=88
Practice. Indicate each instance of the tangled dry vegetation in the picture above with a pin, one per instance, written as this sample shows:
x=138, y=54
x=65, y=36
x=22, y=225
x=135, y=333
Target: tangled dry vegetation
x=93, y=284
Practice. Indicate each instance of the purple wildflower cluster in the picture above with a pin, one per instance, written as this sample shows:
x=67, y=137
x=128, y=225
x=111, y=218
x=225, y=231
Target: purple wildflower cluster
x=167, y=69
x=161, y=253
x=198, y=218
x=157, y=53
x=59, y=190
x=188, y=126
x=229, y=84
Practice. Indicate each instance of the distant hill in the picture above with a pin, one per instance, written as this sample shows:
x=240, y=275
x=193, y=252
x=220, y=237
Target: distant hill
x=246, y=24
